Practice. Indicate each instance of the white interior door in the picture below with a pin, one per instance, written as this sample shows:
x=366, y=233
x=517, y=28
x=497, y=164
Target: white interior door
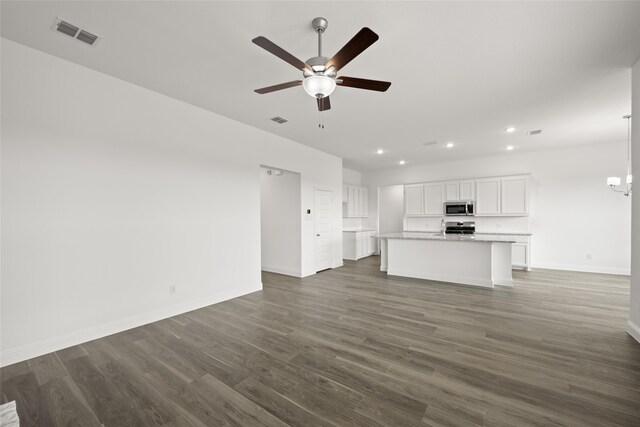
x=324, y=229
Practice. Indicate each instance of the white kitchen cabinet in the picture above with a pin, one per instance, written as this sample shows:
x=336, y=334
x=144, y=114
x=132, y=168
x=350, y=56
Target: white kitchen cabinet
x=357, y=202
x=452, y=191
x=433, y=199
x=520, y=255
x=345, y=194
x=514, y=192
x=358, y=244
x=467, y=190
x=520, y=250
x=488, y=196
x=414, y=200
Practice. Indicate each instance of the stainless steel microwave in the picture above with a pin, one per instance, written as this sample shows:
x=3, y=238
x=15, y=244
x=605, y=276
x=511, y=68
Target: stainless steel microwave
x=459, y=208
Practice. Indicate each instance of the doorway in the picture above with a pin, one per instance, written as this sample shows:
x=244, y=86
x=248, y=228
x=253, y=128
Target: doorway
x=324, y=229
x=280, y=221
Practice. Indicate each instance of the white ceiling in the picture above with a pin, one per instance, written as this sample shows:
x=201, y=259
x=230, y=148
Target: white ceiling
x=461, y=71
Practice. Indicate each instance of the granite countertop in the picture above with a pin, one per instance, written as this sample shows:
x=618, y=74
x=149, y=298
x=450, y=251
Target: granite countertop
x=497, y=233
x=356, y=230
x=408, y=235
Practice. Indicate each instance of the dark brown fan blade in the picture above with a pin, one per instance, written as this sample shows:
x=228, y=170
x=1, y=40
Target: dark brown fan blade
x=281, y=86
x=273, y=48
x=324, y=104
x=377, y=85
x=353, y=48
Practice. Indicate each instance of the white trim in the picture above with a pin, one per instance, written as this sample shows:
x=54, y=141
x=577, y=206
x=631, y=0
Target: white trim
x=633, y=330
x=584, y=268
x=483, y=283
x=284, y=271
x=29, y=351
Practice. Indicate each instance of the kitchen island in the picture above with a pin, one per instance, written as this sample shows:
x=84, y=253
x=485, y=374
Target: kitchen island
x=464, y=259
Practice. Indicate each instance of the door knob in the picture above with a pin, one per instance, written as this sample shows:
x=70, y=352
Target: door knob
x=317, y=235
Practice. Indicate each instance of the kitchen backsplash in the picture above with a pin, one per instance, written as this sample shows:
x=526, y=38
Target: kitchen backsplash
x=483, y=224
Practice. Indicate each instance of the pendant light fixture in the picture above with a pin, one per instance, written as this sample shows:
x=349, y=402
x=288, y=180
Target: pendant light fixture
x=614, y=181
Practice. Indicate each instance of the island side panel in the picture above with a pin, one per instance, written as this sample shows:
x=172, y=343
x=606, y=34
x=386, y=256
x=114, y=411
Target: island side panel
x=383, y=254
x=462, y=262
x=501, y=264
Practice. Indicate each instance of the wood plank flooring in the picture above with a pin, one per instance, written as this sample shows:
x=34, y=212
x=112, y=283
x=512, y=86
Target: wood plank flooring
x=352, y=346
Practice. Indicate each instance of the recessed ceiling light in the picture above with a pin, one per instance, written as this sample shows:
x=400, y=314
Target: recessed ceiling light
x=402, y=162
x=510, y=147
x=510, y=129
x=449, y=145
x=379, y=151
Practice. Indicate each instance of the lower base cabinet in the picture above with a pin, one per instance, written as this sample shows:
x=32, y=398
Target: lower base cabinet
x=520, y=250
x=358, y=244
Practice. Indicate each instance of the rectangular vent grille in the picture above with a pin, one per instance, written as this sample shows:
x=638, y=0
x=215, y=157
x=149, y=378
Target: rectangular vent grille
x=534, y=132
x=87, y=37
x=279, y=120
x=68, y=29
x=78, y=33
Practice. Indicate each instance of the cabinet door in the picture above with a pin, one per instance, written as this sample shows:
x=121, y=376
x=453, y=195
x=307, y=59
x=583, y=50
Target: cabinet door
x=467, y=190
x=351, y=202
x=452, y=191
x=433, y=195
x=515, y=195
x=414, y=199
x=519, y=255
x=345, y=194
x=360, y=202
x=488, y=196
x=365, y=208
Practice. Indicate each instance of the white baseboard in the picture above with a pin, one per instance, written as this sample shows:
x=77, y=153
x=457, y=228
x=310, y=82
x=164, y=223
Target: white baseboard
x=633, y=330
x=29, y=351
x=284, y=271
x=481, y=283
x=584, y=268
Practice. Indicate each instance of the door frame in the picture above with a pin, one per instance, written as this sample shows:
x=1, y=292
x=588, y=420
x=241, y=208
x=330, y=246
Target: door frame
x=315, y=227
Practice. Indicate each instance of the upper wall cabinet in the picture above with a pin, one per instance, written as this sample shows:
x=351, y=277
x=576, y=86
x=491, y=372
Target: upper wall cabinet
x=414, y=199
x=356, y=200
x=488, y=196
x=499, y=196
x=433, y=199
x=451, y=191
x=505, y=196
x=515, y=195
x=424, y=199
x=467, y=190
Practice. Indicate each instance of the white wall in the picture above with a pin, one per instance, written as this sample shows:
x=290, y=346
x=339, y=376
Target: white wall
x=634, y=303
x=351, y=177
x=280, y=223
x=390, y=208
x=573, y=212
x=112, y=193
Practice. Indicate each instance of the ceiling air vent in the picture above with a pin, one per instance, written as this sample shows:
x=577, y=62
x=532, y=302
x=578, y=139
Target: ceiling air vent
x=534, y=132
x=279, y=120
x=78, y=33
x=429, y=143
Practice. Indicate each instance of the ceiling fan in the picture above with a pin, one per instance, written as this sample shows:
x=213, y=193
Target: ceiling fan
x=320, y=72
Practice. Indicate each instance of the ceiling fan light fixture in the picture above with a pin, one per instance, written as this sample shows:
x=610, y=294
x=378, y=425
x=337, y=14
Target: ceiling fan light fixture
x=319, y=86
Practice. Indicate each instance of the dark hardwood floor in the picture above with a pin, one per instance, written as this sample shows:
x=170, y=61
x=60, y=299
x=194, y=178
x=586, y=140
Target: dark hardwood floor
x=352, y=346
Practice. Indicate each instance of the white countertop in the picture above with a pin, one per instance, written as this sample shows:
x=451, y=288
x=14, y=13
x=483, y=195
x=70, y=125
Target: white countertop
x=409, y=235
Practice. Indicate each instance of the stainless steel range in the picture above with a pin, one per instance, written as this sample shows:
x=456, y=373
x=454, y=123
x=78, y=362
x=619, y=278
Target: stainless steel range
x=462, y=227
